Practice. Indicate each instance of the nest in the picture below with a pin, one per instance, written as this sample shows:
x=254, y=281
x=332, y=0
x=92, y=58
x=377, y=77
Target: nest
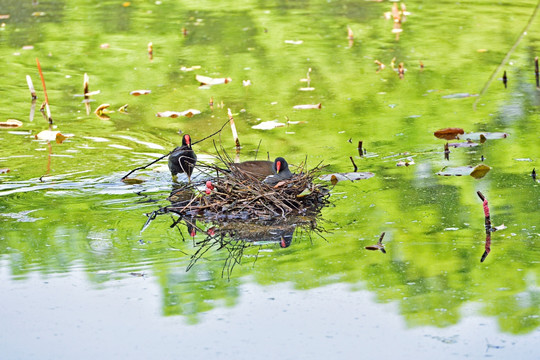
x=237, y=195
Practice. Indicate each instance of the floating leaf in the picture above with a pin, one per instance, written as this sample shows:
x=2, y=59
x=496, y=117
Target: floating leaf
x=464, y=144
x=195, y=67
x=123, y=108
x=51, y=135
x=60, y=138
x=405, y=163
x=459, y=96
x=479, y=171
x=132, y=181
x=4, y=171
x=308, y=106
x=337, y=177
x=305, y=192
x=268, y=125
x=140, y=92
x=448, y=133
x=174, y=114
x=11, y=123
x=102, y=109
x=485, y=135
x=500, y=227
x=246, y=82
x=205, y=80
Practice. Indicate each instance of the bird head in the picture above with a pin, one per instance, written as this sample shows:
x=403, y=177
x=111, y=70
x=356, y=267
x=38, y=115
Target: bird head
x=186, y=140
x=280, y=164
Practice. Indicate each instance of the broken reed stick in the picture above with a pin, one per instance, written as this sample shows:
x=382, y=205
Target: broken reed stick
x=86, y=82
x=487, y=226
x=536, y=73
x=150, y=51
x=45, y=92
x=31, y=87
x=352, y=160
x=233, y=128
x=360, y=151
x=505, y=79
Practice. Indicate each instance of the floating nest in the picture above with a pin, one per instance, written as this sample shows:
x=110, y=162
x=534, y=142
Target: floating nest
x=234, y=194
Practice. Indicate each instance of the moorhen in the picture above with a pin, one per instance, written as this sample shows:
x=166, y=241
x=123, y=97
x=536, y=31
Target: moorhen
x=270, y=172
x=183, y=159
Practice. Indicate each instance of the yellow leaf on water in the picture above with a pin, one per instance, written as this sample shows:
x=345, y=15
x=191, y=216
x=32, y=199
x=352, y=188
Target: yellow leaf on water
x=479, y=171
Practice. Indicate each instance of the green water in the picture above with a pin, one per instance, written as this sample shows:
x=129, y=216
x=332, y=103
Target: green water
x=71, y=249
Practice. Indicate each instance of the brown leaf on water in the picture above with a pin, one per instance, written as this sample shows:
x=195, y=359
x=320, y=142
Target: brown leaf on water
x=4, y=171
x=123, y=108
x=479, y=171
x=60, y=138
x=174, y=114
x=206, y=80
x=448, y=133
x=101, y=109
x=11, y=123
x=132, y=181
x=140, y=92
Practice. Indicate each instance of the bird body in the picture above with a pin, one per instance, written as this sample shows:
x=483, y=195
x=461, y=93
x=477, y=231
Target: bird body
x=259, y=169
x=183, y=159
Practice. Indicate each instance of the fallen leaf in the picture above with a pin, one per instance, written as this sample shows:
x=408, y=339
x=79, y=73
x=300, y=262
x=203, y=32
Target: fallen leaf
x=11, y=123
x=174, y=114
x=123, y=108
x=60, y=138
x=101, y=109
x=132, y=181
x=479, y=171
x=50, y=135
x=448, y=133
x=485, y=135
x=4, y=171
x=305, y=192
x=205, y=80
x=308, y=106
x=405, y=163
x=140, y=92
x=463, y=144
x=294, y=42
x=104, y=46
x=195, y=67
x=347, y=176
x=459, y=96
x=268, y=125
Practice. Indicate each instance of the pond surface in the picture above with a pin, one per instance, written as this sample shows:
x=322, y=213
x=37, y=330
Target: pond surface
x=79, y=278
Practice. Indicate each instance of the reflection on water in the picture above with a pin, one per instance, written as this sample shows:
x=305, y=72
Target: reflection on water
x=65, y=212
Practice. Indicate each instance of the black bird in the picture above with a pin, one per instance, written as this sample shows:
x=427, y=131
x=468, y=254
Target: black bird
x=281, y=172
x=183, y=159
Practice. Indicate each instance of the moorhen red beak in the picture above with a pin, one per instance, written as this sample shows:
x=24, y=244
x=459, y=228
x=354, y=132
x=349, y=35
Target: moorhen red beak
x=183, y=159
x=281, y=172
